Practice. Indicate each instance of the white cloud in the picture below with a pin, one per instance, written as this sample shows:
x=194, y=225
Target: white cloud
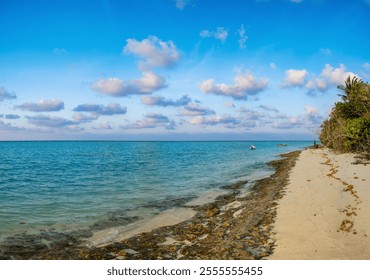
x=148, y=84
x=4, y=94
x=42, y=106
x=153, y=51
x=109, y=110
x=336, y=75
x=110, y=86
x=310, y=120
x=220, y=34
x=273, y=66
x=366, y=65
x=329, y=77
x=294, y=78
x=227, y=121
x=181, y=4
x=291, y=122
x=194, y=109
x=321, y=84
x=152, y=120
x=97, y=110
x=42, y=120
x=82, y=118
x=244, y=85
x=161, y=101
x=249, y=114
x=332, y=77
x=243, y=37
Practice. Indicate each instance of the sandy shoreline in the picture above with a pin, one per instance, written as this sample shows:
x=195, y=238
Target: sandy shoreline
x=325, y=211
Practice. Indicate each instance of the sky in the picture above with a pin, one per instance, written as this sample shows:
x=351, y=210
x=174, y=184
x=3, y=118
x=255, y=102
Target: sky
x=176, y=69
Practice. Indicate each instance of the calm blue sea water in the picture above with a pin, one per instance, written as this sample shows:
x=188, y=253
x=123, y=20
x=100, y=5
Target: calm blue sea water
x=65, y=185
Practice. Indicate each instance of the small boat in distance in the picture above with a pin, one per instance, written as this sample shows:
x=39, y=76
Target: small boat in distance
x=252, y=147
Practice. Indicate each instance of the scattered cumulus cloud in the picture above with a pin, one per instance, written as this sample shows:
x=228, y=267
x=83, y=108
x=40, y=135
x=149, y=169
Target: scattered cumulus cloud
x=116, y=87
x=226, y=121
x=163, y=102
x=83, y=118
x=152, y=120
x=42, y=106
x=4, y=94
x=330, y=77
x=153, y=52
x=249, y=114
x=195, y=109
x=244, y=85
x=47, y=121
x=291, y=122
x=101, y=110
x=97, y=110
x=243, y=37
x=310, y=119
x=220, y=34
x=294, y=78
x=273, y=66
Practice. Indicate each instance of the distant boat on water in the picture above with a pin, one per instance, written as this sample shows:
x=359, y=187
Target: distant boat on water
x=252, y=147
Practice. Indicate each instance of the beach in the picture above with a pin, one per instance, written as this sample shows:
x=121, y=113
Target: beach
x=325, y=211
x=314, y=206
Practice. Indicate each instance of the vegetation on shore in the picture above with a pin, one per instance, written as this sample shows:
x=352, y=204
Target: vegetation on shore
x=348, y=126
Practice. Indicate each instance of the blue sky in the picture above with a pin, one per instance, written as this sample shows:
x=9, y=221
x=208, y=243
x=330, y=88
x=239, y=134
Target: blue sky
x=176, y=69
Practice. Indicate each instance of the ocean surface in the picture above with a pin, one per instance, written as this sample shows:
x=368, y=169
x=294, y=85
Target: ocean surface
x=64, y=186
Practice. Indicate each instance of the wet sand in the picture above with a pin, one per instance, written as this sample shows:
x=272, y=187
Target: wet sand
x=325, y=213
x=236, y=225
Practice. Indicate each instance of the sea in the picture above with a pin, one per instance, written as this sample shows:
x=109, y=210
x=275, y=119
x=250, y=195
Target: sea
x=65, y=186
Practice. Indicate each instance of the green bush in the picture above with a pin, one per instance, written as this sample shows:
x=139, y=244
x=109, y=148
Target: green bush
x=348, y=126
x=358, y=131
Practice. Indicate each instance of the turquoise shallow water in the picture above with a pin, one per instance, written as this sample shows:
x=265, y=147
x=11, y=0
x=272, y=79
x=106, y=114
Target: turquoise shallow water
x=69, y=185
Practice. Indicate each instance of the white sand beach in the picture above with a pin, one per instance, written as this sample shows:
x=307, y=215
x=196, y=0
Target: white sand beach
x=325, y=213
